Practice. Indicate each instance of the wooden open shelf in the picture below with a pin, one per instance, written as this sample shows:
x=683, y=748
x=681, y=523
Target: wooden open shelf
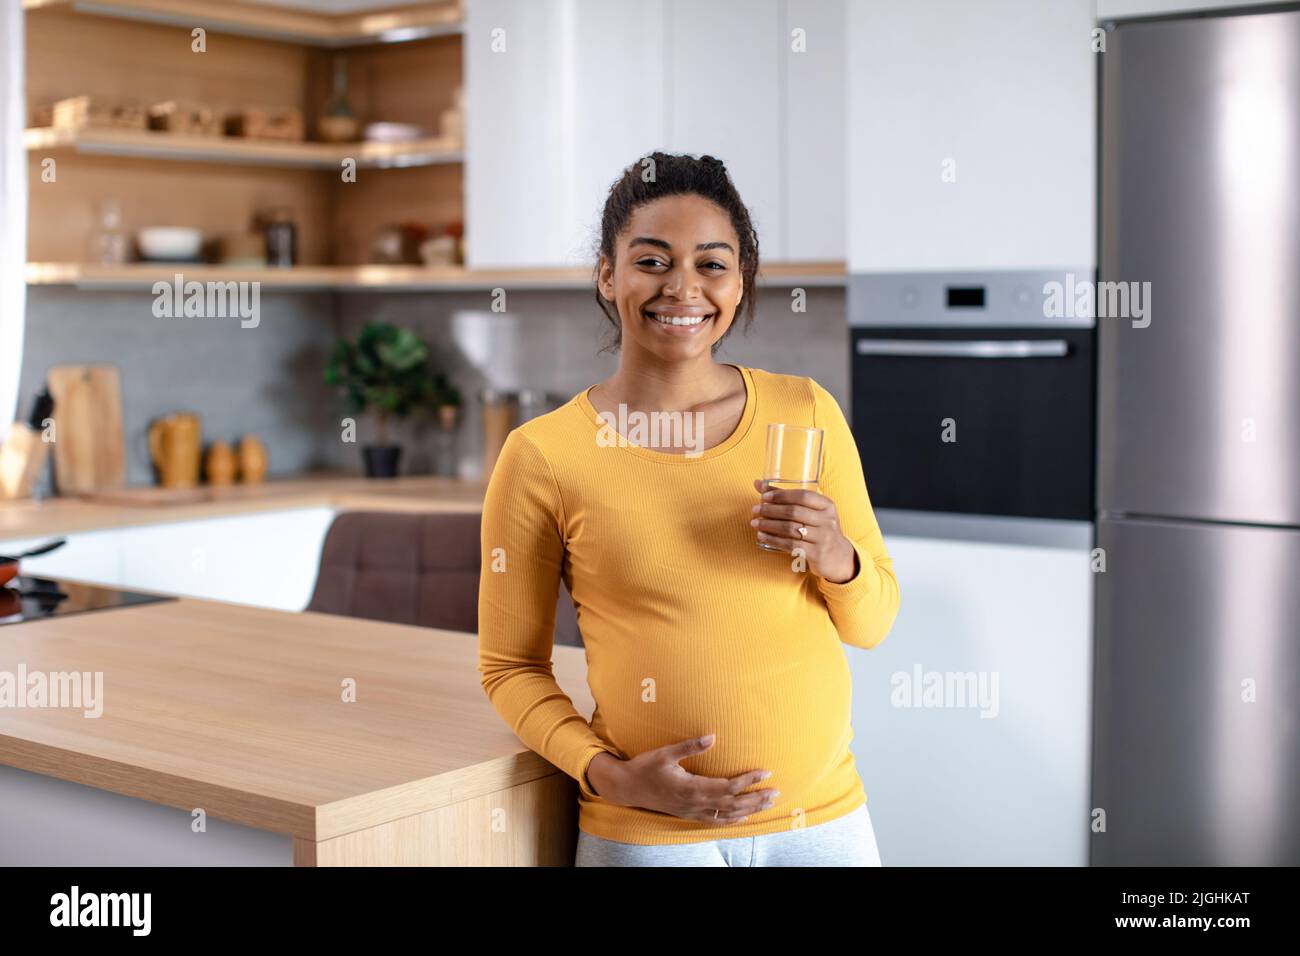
x=146, y=144
x=222, y=185
x=380, y=278
x=397, y=25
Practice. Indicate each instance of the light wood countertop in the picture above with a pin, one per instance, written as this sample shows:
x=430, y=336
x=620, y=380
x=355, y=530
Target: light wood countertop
x=140, y=275
x=57, y=516
x=240, y=711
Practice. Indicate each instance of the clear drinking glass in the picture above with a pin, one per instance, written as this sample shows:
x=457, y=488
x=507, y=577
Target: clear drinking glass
x=793, y=460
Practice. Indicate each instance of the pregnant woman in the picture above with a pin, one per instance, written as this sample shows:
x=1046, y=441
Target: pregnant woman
x=722, y=724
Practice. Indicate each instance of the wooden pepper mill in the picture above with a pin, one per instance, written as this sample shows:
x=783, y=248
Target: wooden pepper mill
x=252, y=460
x=219, y=464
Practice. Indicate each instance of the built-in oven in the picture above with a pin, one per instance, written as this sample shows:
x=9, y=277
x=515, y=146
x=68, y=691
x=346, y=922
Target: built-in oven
x=973, y=393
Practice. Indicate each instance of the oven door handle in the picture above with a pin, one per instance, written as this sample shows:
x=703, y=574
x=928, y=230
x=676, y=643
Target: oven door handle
x=982, y=349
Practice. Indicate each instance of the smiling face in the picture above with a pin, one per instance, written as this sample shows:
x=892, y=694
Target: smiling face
x=678, y=280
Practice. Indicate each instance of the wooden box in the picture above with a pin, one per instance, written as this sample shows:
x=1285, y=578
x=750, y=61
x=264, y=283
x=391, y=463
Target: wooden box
x=185, y=118
x=98, y=111
x=260, y=123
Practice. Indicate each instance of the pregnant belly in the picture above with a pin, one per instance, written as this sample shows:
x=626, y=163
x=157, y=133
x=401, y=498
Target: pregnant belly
x=780, y=707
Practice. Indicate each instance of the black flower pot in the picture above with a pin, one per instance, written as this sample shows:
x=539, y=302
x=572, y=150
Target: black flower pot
x=381, y=460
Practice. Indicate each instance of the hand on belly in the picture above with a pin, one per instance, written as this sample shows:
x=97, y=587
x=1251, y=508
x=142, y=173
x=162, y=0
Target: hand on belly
x=655, y=780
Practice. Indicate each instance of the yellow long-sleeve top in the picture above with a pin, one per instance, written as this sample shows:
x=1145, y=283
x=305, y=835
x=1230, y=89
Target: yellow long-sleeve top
x=690, y=628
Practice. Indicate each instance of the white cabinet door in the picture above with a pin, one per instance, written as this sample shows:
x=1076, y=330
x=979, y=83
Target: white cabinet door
x=995, y=780
x=814, y=135
x=614, y=68
x=724, y=88
x=268, y=560
x=562, y=96
x=514, y=171
x=574, y=98
x=971, y=135
x=93, y=556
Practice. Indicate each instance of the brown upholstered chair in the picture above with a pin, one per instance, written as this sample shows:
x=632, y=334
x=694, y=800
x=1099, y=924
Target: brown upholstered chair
x=411, y=568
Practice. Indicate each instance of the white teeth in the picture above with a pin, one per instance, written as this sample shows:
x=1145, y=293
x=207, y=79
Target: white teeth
x=679, y=319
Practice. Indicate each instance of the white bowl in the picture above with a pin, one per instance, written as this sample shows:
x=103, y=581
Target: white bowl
x=169, y=242
x=393, y=132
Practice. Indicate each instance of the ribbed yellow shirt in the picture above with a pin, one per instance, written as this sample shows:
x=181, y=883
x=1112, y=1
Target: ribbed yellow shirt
x=690, y=628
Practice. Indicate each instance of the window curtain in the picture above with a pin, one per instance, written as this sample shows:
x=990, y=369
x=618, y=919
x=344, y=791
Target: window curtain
x=13, y=208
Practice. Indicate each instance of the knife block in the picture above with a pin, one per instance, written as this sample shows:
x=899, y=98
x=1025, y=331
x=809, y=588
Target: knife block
x=22, y=457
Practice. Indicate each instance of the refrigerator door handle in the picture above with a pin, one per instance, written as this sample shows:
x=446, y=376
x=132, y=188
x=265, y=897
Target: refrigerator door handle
x=990, y=348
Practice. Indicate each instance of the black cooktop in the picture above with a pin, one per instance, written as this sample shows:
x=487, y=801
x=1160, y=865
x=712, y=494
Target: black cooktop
x=31, y=599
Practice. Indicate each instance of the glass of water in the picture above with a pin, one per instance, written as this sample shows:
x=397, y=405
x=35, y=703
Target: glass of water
x=793, y=460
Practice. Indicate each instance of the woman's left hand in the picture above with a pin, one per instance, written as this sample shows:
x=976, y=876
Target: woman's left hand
x=783, y=511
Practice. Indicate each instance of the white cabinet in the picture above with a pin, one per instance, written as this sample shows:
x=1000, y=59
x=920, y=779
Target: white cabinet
x=724, y=91
x=815, y=138
x=93, y=556
x=561, y=97
x=583, y=88
x=761, y=85
x=993, y=768
x=613, y=63
x=514, y=96
x=971, y=135
x=268, y=560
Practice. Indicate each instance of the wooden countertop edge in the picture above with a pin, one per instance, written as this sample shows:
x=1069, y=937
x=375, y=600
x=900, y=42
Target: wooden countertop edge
x=49, y=519
x=410, y=799
x=254, y=810
x=302, y=821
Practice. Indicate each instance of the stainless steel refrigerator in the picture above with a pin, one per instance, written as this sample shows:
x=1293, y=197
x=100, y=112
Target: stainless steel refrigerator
x=1196, y=736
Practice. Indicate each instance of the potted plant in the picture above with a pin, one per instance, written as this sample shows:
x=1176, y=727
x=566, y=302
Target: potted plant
x=385, y=371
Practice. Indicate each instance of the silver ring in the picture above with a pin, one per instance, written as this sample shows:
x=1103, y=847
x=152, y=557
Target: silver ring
x=803, y=532
x=715, y=813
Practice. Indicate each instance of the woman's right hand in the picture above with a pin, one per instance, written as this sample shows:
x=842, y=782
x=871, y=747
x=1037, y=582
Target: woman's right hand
x=654, y=780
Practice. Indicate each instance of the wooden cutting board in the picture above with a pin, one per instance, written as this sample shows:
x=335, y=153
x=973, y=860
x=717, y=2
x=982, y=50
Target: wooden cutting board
x=89, y=447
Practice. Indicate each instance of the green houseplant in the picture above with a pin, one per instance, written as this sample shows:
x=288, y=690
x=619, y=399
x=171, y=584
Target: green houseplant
x=386, y=372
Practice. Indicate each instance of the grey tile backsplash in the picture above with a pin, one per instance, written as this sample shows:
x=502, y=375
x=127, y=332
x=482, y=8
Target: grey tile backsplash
x=268, y=380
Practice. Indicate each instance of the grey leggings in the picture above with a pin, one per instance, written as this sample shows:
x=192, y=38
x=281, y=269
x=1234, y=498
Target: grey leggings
x=848, y=840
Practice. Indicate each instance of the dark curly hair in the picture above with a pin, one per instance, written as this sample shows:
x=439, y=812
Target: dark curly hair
x=677, y=174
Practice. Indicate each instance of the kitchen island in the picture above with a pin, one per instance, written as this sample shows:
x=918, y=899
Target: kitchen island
x=234, y=735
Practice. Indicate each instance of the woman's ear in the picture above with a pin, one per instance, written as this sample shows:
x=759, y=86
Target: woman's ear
x=605, y=278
